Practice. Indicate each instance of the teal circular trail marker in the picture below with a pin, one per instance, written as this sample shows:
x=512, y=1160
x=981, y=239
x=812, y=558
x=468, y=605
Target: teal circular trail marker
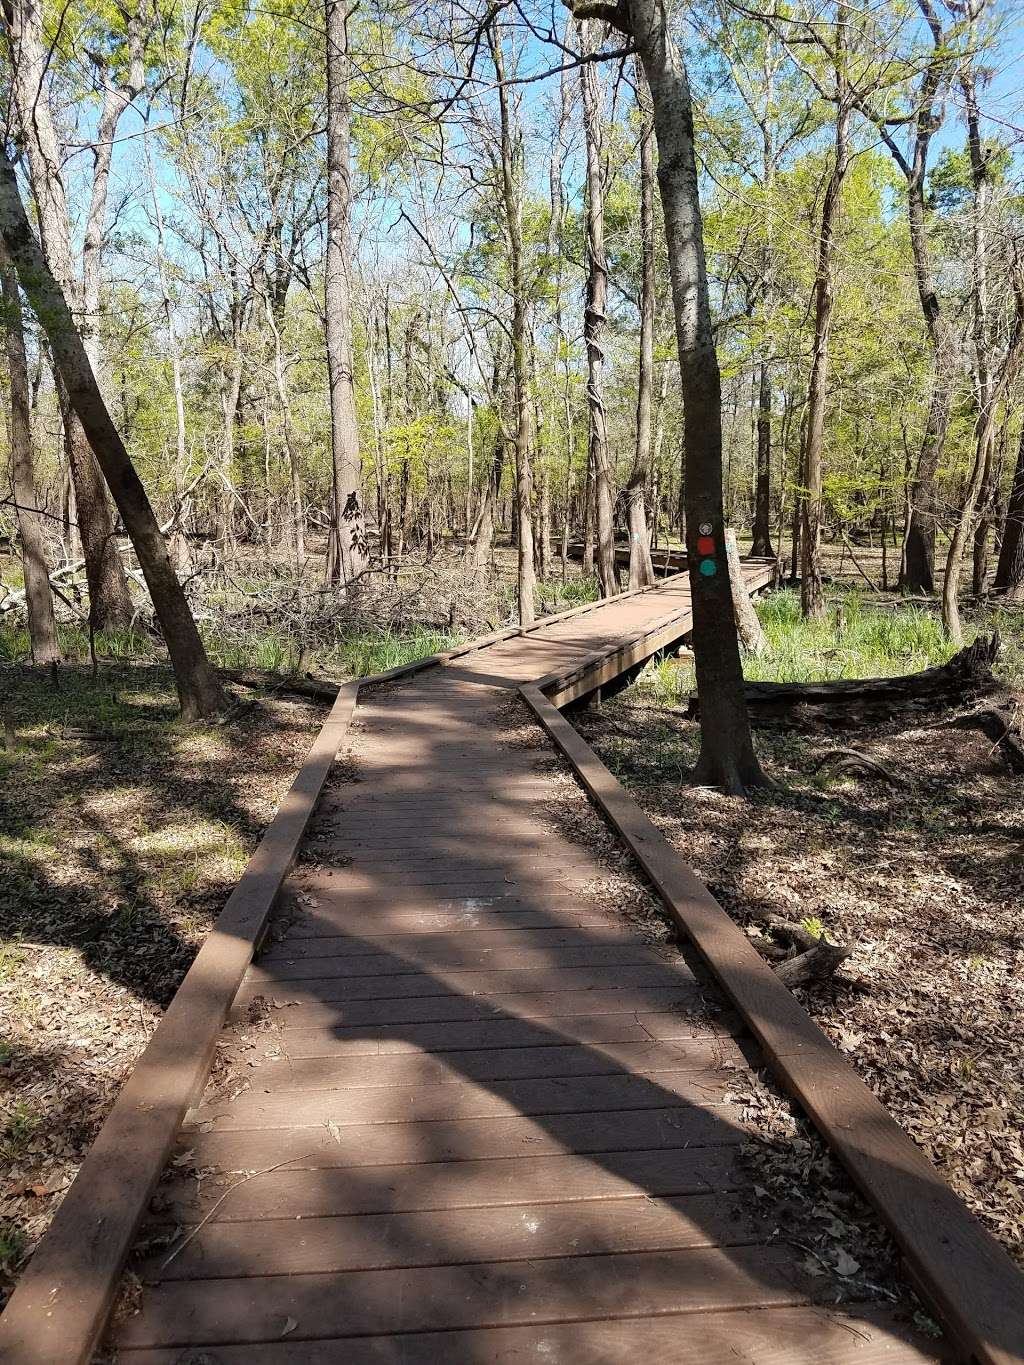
x=708, y=568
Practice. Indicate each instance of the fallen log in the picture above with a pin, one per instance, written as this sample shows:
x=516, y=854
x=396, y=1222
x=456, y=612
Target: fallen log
x=845, y=702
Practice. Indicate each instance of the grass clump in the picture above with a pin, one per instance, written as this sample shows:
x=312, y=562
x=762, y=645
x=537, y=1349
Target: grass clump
x=860, y=636
x=854, y=639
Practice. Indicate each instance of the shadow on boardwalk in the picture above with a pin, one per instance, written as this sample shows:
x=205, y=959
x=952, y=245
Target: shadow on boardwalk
x=494, y=1125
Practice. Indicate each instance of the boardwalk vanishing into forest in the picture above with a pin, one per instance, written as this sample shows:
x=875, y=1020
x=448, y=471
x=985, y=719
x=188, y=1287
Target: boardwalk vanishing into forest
x=465, y=1110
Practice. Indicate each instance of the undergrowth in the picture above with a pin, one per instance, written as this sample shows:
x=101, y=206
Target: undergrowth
x=859, y=637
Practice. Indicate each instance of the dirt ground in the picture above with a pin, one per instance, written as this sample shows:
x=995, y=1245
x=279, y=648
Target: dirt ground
x=121, y=835
x=923, y=877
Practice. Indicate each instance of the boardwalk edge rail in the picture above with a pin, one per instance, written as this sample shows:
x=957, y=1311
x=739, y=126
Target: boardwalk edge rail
x=61, y=1305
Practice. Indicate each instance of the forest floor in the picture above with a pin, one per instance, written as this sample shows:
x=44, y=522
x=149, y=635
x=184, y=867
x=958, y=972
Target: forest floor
x=121, y=834
x=923, y=881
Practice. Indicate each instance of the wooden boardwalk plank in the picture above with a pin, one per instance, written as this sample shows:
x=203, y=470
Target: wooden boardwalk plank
x=445, y=1184
x=646, y=1058
x=417, y=1299
x=684, y=1129
x=855, y=1335
x=510, y=1232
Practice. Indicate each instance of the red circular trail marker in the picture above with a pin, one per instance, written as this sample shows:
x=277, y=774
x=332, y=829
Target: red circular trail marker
x=706, y=545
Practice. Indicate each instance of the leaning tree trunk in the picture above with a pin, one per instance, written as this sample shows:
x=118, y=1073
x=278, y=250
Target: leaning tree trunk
x=42, y=629
x=641, y=569
x=812, y=596
x=595, y=322
x=348, y=551
x=727, y=757
x=199, y=688
x=1009, y=579
x=109, y=602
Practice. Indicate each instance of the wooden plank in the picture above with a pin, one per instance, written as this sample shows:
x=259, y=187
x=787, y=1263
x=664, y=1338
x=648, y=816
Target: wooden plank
x=455, y=956
x=963, y=1273
x=62, y=1300
x=560, y=1060
x=681, y=1008
x=690, y=1131
x=467, y=1100
x=463, y=1235
x=425, y=1186
x=330, y=921
x=358, y=1303
x=389, y=1040
x=466, y=983
x=848, y=1335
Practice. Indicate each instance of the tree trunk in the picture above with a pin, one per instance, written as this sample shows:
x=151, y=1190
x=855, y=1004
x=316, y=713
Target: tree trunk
x=109, y=602
x=544, y=526
x=989, y=391
x=812, y=597
x=747, y=623
x=762, y=531
x=1009, y=578
x=348, y=552
x=595, y=321
x=512, y=205
x=42, y=628
x=641, y=569
x=917, y=569
x=199, y=688
x=727, y=757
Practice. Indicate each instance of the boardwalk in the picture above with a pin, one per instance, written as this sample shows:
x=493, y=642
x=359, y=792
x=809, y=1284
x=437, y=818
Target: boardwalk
x=483, y=1117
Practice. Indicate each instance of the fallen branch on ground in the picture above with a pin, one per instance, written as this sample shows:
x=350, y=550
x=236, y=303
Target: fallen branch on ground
x=298, y=684
x=852, y=760
x=811, y=959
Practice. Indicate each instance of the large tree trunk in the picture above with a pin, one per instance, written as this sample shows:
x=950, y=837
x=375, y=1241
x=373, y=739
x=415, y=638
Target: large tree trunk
x=812, y=596
x=109, y=602
x=348, y=552
x=1009, y=578
x=727, y=757
x=595, y=321
x=42, y=628
x=641, y=569
x=199, y=688
x=917, y=570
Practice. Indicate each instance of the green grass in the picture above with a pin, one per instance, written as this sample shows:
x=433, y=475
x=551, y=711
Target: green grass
x=857, y=638
x=349, y=655
x=17, y=1131
x=12, y=1246
x=552, y=595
